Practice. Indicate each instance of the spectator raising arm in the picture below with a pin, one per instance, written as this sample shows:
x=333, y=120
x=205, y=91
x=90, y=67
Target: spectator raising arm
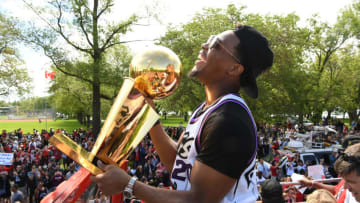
x=309, y=183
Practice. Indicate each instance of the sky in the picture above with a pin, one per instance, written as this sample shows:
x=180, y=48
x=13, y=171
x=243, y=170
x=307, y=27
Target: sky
x=171, y=11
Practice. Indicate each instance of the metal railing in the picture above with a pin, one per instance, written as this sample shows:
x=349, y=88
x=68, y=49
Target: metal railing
x=330, y=180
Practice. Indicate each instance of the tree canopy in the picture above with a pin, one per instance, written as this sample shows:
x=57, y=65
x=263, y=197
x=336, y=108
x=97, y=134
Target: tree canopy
x=14, y=78
x=84, y=29
x=316, y=64
x=305, y=79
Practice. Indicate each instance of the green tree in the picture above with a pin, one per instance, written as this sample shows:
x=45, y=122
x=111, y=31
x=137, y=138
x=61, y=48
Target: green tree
x=326, y=40
x=283, y=89
x=279, y=92
x=185, y=40
x=14, y=78
x=33, y=105
x=349, y=62
x=81, y=24
x=3, y=103
x=73, y=97
x=349, y=99
x=350, y=17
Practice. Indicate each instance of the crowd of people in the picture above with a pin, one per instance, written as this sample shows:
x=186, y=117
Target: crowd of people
x=272, y=168
x=38, y=167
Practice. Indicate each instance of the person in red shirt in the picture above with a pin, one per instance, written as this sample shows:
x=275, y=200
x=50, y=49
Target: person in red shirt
x=45, y=152
x=57, y=154
x=345, y=129
x=46, y=135
x=3, y=134
x=274, y=169
x=21, y=132
x=7, y=169
x=289, y=125
x=58, y=130
x=7, y=149
x=276, y=157
x=276, y=145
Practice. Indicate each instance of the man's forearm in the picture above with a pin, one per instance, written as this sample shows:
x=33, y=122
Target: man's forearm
x=151, y=194
x=319, y=185
x=164, y=145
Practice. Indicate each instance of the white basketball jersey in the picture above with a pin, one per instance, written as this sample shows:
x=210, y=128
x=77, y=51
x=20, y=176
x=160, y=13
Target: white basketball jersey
x=245, y=188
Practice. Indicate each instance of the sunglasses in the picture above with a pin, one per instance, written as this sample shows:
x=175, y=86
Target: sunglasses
x=215, y=42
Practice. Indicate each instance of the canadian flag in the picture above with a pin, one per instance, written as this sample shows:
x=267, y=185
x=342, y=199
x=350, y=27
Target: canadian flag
x=50, y=75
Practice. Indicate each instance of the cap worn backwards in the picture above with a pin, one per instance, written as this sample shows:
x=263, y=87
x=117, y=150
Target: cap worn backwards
x=256, y=57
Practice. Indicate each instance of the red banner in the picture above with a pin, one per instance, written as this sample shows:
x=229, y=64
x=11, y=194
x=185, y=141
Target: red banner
x=70, y=190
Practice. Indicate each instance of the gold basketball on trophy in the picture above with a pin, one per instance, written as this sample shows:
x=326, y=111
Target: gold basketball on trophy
x=157, y=72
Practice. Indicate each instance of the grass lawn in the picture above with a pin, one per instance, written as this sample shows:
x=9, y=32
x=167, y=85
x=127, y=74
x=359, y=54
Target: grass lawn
x=69, y=125
x=28, y=126
x=173, y=121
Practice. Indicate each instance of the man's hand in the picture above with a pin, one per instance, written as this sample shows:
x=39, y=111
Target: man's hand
x=305, y=182
x=112, y=181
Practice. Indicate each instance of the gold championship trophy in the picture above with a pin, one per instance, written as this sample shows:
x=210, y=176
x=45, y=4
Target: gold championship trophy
x=154, y=73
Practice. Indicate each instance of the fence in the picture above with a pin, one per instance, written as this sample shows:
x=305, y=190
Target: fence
x=13, y=114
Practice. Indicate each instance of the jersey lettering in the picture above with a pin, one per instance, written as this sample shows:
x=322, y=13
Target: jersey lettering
x=181, y=171
x=249, y=175
x=185, y=146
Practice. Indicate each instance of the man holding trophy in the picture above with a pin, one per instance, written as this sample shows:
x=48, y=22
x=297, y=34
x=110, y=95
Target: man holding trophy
x=214, y=160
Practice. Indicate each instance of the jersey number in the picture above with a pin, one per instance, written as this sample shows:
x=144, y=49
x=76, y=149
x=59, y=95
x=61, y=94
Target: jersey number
x=181, y=171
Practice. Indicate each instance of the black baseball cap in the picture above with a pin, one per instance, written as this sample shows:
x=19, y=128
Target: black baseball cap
x=255, y=55
x=271, y=192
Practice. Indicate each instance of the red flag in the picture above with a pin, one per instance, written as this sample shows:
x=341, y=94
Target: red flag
x=51, y=75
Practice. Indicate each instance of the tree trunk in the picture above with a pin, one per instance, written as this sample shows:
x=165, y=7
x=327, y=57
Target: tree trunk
x=80, y=118
x=328, y=114
x=316, y=116
x=96, y=71
x=87, y=121
x=96, y=108
x=353, y=116
x=301, y=118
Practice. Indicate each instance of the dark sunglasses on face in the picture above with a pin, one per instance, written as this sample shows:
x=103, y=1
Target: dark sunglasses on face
x=215, y=42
